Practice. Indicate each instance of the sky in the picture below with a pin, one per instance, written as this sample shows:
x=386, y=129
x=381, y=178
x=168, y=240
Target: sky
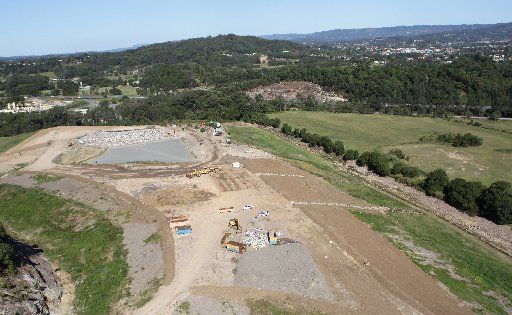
x=35, y=27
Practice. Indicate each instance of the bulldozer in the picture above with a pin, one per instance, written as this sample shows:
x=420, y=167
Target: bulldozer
x=235, y=225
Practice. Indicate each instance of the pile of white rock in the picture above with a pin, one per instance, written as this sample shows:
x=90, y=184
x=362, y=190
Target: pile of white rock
x=107, y=139
x=255, y=239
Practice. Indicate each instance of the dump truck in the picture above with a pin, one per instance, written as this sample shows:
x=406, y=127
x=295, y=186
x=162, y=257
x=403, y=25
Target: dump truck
x=235, y=225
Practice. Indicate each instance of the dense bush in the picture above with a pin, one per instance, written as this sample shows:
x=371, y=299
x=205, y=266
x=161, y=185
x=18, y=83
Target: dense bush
x=459, y=140
x=435, y=182
x=263, y=120
x=463, y=195
x=6, y=251
x=377, y=162
x=339, y=148
x=405, y=170
x=351, y=155
x=398, y=153
x=495, y=203
x=286, y=129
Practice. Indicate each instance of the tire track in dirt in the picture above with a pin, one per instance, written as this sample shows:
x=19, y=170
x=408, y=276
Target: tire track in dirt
x=386, y=264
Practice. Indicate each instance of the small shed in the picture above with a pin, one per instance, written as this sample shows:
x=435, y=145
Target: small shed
x=184, y=229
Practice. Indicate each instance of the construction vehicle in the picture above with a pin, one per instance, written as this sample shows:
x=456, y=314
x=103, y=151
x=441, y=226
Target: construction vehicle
x=235, y=225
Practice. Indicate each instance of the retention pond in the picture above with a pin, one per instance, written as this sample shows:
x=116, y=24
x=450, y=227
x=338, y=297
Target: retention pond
x=167, y=151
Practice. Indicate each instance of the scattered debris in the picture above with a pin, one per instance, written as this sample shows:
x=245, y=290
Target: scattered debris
x=248, y=207
x=262, y=214
x=203, y=171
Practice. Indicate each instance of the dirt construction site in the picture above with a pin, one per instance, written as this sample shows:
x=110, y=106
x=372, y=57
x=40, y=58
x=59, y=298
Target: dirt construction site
x=232, y=224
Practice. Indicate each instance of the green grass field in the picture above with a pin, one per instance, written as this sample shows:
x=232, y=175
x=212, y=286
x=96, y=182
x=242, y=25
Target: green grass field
x=128, y=90
x=504, y=125
x=49, y=74
x=384, y=132
x=483, y=270
x=8, y=142
x=83, y=243
x=312, y=163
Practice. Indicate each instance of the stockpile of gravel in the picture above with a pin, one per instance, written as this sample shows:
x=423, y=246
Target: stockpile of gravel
x=287, y=268
x=107, y=139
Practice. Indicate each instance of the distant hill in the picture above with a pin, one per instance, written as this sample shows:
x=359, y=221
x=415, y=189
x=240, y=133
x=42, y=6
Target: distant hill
x=477, y=31
x=219, y=50
x=70, y=54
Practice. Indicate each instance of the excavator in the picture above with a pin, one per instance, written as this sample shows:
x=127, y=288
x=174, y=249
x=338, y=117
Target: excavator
x=235, y=225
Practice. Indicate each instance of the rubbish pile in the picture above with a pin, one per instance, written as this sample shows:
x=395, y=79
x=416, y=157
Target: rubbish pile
x=255, y=239
x=107, y=139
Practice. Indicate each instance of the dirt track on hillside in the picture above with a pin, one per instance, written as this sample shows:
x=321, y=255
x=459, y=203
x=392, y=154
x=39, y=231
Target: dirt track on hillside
x=388, y=269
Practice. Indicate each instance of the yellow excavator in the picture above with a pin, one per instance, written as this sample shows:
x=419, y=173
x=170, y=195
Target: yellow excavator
x=235, y=225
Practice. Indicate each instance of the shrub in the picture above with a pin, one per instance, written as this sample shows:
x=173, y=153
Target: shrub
x=398, y=153
x=6, y=257
x=326, y=143
x=339, y=148
x=495, y=203
x=363, y=159
x=463, y=195
x=460, y=140
x=6, y=251
x=286, y=129
x=377, y=162
x=351, y=155
x=435, y=182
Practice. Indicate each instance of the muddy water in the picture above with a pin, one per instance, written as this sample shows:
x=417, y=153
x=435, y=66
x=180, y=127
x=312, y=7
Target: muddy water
x=173, y=150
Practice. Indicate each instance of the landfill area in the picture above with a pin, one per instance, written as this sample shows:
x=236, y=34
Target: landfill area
x=236, y=222
x=108, y=139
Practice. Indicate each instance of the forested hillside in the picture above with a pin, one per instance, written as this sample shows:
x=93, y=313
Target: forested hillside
x=224, y=67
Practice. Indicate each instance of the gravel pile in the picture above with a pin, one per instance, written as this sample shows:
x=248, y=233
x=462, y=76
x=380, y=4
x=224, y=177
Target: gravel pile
x=287, y=268
x=108, y=139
